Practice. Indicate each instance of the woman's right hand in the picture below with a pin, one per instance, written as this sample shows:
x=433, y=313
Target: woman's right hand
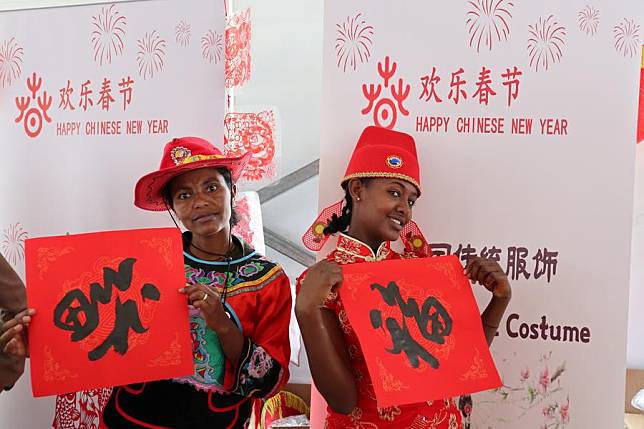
x=321, y=279
x=13, y=340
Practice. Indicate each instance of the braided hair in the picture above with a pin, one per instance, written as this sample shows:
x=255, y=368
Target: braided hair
x=342, y=222
x=234, y=216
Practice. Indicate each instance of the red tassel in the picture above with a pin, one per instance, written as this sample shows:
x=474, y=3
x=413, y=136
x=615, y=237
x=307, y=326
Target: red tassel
x=414, y=240
x=411, y=235
x=314, y=237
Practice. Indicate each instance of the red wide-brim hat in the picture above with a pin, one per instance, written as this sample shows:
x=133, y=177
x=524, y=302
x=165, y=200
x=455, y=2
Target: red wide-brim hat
x=182, y=155
x=379, y=153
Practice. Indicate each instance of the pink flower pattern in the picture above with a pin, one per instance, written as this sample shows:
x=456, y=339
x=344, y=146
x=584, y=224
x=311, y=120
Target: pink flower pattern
x=260, y=363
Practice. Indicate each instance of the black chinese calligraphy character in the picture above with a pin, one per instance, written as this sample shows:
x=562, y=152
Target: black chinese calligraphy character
x=545, y=263
x=517, y=263
x=441, y=249
x=467, y=253
x=79, y=314
x=432, y=319
x=493, y=253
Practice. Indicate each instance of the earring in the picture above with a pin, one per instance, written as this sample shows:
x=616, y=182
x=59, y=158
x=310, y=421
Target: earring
x=357, y=198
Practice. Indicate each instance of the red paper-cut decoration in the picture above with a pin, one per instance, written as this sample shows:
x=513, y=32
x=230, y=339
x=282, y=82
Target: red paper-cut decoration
x=419, y=329
x=238, y=49
x=255, y=133
x=81, y=410
x=109, y=312
x=243, y=228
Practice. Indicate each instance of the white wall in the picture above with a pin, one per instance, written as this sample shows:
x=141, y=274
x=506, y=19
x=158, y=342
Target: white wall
x=635, y=345
x=286, y=71
x=33, y=4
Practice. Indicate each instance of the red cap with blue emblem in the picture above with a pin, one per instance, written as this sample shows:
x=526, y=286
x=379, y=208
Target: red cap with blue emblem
x=379, y=153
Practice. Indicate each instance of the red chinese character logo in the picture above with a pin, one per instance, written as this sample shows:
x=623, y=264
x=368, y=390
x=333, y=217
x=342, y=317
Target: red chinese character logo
x=65, y=97
x=33, y=117
x=126, y=90
x=512, y=83
x=85, y=101
x=455, y=91
x=429, y=86
x=385, y=111
x=106, y=95
x=484, y=89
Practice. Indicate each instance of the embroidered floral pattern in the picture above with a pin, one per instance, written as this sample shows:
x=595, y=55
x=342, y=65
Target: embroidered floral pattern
x=344, y=321
x=388, y=413
x=260, y=363
x=199, y=276
x=250, y=269
x=208, y=357
x=344, y=258
x=465, y=406
x=258, y=371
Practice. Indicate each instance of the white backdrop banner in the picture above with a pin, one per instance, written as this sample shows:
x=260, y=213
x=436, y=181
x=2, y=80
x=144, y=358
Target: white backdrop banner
x=524, y=115
x=88, y=97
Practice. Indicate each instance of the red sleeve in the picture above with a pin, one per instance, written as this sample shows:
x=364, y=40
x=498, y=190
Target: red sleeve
x=267, y=345
x=271, y=332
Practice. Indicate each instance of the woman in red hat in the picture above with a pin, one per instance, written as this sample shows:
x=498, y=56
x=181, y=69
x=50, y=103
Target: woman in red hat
x=381, y=184
x=239, y=303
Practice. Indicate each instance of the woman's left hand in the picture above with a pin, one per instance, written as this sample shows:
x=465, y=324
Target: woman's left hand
x=208, y=301
x=489, y=274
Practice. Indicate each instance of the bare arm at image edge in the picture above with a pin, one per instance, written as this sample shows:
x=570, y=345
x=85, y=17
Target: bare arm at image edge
x=13, y=299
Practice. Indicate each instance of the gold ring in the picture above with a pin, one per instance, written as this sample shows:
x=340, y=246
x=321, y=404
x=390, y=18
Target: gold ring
x=205, y=296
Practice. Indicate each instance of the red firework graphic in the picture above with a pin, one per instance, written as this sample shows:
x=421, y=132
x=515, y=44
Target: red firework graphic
x=10, y=62
x=255, y=133
x=238, y=49
x=13, y=243
x=150, y=55
x=546, y=42
x=212, y=47
x=588, y=20
x=353, y=42
x=627, y=37
x=182, y=33
x=488, y=22
x=108, y=34
x=81, y=410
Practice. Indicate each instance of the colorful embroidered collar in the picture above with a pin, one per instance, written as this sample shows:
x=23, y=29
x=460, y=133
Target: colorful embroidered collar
x=359, y=249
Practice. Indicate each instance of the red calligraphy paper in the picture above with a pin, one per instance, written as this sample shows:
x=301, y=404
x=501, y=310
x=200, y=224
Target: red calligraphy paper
x=108, y=310
x=419, y=329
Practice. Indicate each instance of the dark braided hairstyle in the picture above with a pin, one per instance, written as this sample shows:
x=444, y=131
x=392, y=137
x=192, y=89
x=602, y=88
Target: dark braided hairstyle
x=234, y=216
x=342, y=222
